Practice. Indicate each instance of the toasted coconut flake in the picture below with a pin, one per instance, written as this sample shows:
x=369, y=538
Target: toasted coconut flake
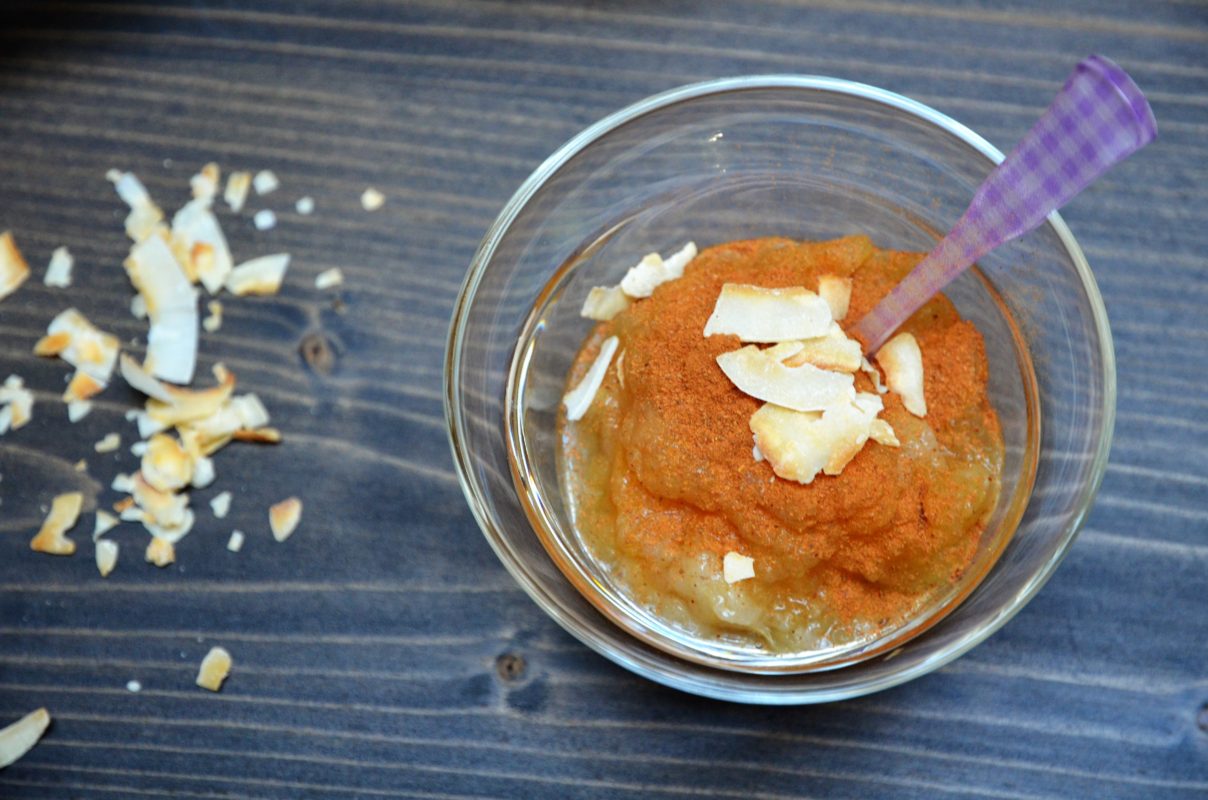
x=235, y=543
x=20, y=404
x=13, y=269
x=106, y=556
x=205, y=183
x=736, y=567
x=78, y=409
x=138, y=307
x=161, y=508
x=264, y=219
x=799, y=445
x=580, y=398
x=88, y=349
x=126, y=503
x=166, y=466
x=105, y=522
x=605, y=302
x=802, y=388
x=81, y=466
x=203, y=472
x=265, y=182
x=138, y=449
x=170, y=405
x=882, y=433
x=52, y=344
x=902, y=361
x=82, y=387
x=215, y=668
x=64, y=513
x=19, y=738
x=835, y=351
x=172, y=306
x=111, y=442
x=122, y=483
x=148, y=427
x=305, y=206
x=160, y=552
x=143, y=381
x=214, y=321
x=836, y=291
x=258, y=435
x=329, y=278
x=261, y=275
x=236, y=190
x=206, y=250
x=145, y=217
x=653, y=271
x=284, y=517
x=875, y=374
x=171, y=533
x=132, y=513
x=58, y=272
x=220, y=504
x=372, y=199
x=757, y=314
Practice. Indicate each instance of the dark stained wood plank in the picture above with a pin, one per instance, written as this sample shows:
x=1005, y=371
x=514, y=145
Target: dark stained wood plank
x=382, y=652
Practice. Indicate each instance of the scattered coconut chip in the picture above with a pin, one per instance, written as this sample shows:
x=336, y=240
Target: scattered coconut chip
x=126, y=503
x=882, y=433
x=265, y=182
x=64, y=513
x=133, y=686
x=19, y=738
x=258, y=435
x=799, y=445
x=736, y=567
x=836, y=291
x=170, y=405
x=758, y=314
x=214, y=321
x=106, y=556
x=264, y=219
x=284, y=517
x=875, y=374
x=605, y=302
x=235, y=543
x=171, y=534
x=78, y=409
x=132, y=514
x=58, y=272
x=236, y=190
x=166, y=466
x=652, y=271
x=81, y=387
x=215, y=668
x=202, y=242
x=13, y=269
x=261, y=275
x=122, y=483
x=111, y=442
x=580, y=398
x=330, y=278
x=203, y=472
x=372, y=199
x=87, y=348
x=172, y=306
x=205, y=183
x=902, y=361
x=834, y=351
x=220, y=504
x=81, y=466
x=160, y=552
x=801, y=388
x=305, y=205
x=160, y=507
x=138, y=307
x=145, y=217
x=138, y=449
x=19, y=408
x=105, y=522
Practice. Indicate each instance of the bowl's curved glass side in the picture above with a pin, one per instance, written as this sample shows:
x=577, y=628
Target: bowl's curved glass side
x=881, y=168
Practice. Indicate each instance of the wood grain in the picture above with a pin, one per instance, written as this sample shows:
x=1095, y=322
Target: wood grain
x=368, y=647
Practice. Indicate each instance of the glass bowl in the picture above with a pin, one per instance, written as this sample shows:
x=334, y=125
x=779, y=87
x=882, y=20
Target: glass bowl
x=806, y=158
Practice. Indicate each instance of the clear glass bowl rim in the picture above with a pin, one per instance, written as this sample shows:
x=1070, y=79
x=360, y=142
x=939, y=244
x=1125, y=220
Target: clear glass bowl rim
x=721, y=687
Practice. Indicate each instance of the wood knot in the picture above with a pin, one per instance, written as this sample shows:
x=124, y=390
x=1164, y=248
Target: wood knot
x=510, y=666
x=318, y=353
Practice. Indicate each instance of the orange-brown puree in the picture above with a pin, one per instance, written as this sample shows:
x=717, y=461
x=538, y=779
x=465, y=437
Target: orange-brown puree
x=661, y=476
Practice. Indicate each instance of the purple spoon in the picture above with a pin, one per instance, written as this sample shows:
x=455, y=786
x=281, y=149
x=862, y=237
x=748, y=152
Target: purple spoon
x=1098, y=119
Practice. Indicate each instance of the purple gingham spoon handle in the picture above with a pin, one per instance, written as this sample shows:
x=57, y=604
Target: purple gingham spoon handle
x=1098, y=119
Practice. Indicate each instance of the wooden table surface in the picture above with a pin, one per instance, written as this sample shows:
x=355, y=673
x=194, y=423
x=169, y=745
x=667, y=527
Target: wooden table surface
x=383, y=652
